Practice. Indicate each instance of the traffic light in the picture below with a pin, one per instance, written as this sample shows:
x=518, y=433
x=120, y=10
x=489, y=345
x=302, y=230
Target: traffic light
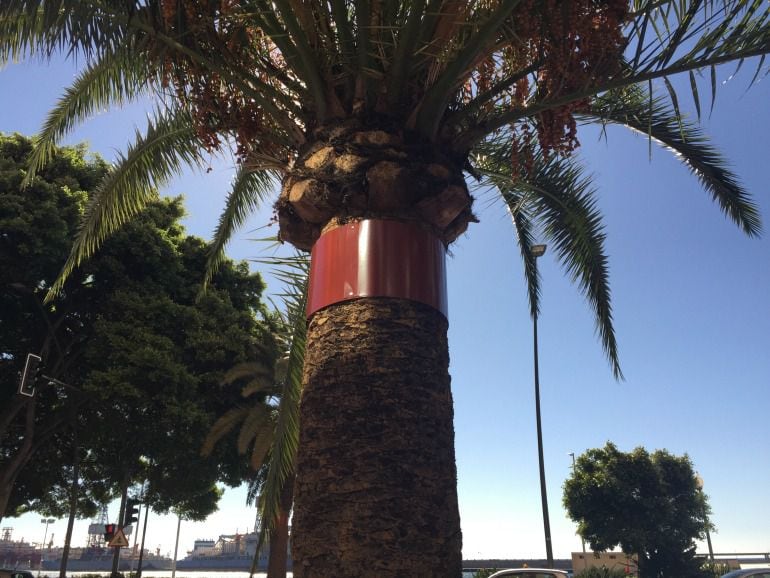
x=109, y=531
x=132, y=512
x=32, y=368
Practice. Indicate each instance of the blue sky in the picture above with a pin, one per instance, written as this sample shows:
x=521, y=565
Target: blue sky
x=692, y=315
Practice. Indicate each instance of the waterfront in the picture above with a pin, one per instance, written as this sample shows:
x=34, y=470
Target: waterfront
x=182, y=574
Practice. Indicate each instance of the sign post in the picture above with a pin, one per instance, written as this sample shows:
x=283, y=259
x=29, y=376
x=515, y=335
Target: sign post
x=118, y=540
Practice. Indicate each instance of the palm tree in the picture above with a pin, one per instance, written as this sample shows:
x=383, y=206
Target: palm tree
x=371, y=114
x=269, y=418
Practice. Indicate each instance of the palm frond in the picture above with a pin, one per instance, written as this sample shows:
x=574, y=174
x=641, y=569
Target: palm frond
x=168, y=145
x=407, y=41
x=310, y=64
x=250, y=190
x=432, y=107
x=697, y=35
x=259, y=378
x=114, y=79
x=222, y=426
x=635, y=108
x=45, y=27
x=255, y=422
x=525, y=234
x=248, y=370
x=345, y=43
x=294, y=272
x=553, y=195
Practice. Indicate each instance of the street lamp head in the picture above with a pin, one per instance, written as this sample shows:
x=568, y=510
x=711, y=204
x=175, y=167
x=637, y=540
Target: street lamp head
x=538, y=250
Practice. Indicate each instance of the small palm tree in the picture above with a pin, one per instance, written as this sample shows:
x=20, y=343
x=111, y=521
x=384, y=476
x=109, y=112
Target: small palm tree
x=256, y=417
x=269, y=418
x=373, y=115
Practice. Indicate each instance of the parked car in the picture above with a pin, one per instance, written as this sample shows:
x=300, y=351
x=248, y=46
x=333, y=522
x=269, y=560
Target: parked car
x=530, y=573
x=749, y=573
x=15, y=573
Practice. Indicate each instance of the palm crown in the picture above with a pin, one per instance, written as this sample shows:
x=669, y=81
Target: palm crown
x=495, y=86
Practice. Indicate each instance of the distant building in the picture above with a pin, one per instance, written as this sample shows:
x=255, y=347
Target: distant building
x=610, y=560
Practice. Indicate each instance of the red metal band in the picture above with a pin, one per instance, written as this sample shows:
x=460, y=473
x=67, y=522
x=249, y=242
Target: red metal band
x=375, y=258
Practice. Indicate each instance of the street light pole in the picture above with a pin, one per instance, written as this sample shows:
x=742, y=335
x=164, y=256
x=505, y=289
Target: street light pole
x=699, y=484
x=539, y=251
x=582, y=540
x=45, y=521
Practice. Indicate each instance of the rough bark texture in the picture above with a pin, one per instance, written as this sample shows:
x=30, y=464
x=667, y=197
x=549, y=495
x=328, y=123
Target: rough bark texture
x=279, y=544
x=375, y=493
x=350, y=171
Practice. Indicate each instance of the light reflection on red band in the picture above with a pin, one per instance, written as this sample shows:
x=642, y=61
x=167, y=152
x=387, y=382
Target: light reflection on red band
x=375, y=258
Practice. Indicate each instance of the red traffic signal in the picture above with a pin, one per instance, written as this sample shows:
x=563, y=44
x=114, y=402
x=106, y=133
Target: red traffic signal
x=109, y=531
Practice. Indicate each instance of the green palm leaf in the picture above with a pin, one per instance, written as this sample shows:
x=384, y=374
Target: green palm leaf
x=665, y=39
x=224, y=425
x=116, y=78
x=250, y=191
x=257, y=424
x=44, y=27
x=633, y=107
x=293, y=272
x=553, y=196
x=168, y=146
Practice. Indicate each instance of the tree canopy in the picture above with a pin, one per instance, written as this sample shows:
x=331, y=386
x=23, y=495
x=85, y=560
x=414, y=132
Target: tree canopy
x=141, y=353
x=648, y=504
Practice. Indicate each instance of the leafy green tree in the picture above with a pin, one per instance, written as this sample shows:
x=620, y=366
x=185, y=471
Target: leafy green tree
x=649, y=504
x=371, y=113
x=140, y=353
x=158, y=354
x=37, y=226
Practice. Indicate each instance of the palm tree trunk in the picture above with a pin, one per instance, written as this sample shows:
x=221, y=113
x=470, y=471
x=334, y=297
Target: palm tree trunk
x=375, y=493
x=279, y=543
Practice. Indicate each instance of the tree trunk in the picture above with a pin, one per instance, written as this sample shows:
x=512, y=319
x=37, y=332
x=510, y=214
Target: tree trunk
x=74, y=493
x=13, y=467
x=375, y=493
x=9, y=412
x=279, y=543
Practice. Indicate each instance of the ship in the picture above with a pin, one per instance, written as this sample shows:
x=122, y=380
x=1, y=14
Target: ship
x=98, y=559
x=230, y=552
x=17, y=554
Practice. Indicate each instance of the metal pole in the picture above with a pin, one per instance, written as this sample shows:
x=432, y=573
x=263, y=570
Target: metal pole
x=135, y=530
x=539, y=251
x=699, y=485
x=45, y=521
x=144, y=535
x=543, y=491
x=708, y=541
x=176, y=545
